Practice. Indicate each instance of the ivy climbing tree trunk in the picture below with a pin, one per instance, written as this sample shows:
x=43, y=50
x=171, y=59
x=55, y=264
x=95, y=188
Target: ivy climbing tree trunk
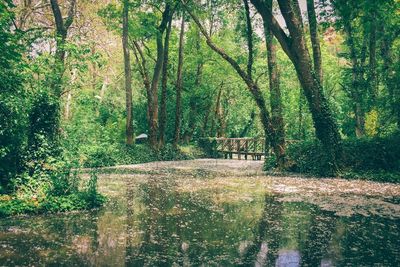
x=128, y=75
x=164, y=87
x=295, y=46
x=356, y=90
x=373, y=80
x=194, y=110
x=217, y=110
x=62, y=27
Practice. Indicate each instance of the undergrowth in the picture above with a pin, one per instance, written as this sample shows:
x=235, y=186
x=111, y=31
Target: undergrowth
x=367, y=158
x=118, y=154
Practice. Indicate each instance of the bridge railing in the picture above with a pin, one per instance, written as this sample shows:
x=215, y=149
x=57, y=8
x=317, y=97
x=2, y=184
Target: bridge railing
x=254, y=147
x=242, y=147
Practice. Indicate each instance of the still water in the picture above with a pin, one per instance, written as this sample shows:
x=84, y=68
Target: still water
x=193, y=218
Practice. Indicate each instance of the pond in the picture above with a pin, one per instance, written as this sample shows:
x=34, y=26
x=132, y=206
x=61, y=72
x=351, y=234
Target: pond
x=206, y=213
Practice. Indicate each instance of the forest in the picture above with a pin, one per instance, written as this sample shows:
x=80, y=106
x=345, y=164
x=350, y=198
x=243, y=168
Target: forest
x=81, y=79
x=86, y=85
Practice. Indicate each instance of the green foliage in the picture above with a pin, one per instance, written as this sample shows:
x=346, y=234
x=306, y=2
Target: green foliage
x=308, y=157
x=361, y=158
x=10, y=206
x=12, y=99
x=112, y=154
x=43, y=119
x=52, y=187
x=209, y=147
x=40, y=148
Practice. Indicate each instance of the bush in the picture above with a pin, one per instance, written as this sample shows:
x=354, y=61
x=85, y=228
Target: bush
x=49, y=184
x=100, y=155
x=10, y=206
x=111, y=154
x=208, y=145
x=361, y=157
x=50, y=192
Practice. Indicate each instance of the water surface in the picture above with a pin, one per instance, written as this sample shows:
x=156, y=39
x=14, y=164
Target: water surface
x=197, y=215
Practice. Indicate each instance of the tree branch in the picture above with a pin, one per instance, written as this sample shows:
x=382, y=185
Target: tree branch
x=265, y=11
x=70, y=17
x=249, y=32
x=57, y=16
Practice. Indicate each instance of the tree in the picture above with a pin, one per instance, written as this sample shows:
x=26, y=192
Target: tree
x=12, y=99
x=295, y=46
x=152, y=94
x=313, y=24
x=366, y=26
x=275, y=91
x=251, y=85
x=164, y=82
x=62, y=27
x=128, y=73
x=193, y=98
x=179, y=85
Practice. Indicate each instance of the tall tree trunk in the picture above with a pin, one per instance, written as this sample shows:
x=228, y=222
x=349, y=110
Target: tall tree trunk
x=222, y=115
x=275, y=94
x=204, y=132
x=295, y=47
x=152, y=94
x=179, y=85
x=93, y=69
x=62, y=27
x=164, y=86
x=276, y=102
x=312, y=21
x=103, y=89
x=249, y=125
x=128, y=74
x=249, y=33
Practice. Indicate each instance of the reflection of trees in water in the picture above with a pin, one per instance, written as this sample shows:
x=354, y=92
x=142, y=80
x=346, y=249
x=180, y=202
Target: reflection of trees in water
x=315, y=247
x=158, y=245
x=292, y=233
x=53, y=240
x=130, y=226
x=264, y=249
x=377, y=242
x=268, y=248
x=163, y=227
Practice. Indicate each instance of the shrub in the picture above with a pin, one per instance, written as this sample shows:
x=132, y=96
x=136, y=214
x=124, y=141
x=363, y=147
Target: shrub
x=361, y=157
x=208, y=145
x=100, y=155
x=51, y=204
x=112, y=154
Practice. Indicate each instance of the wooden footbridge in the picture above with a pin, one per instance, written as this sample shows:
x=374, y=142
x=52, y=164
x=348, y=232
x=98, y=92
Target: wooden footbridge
x=253, y=147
